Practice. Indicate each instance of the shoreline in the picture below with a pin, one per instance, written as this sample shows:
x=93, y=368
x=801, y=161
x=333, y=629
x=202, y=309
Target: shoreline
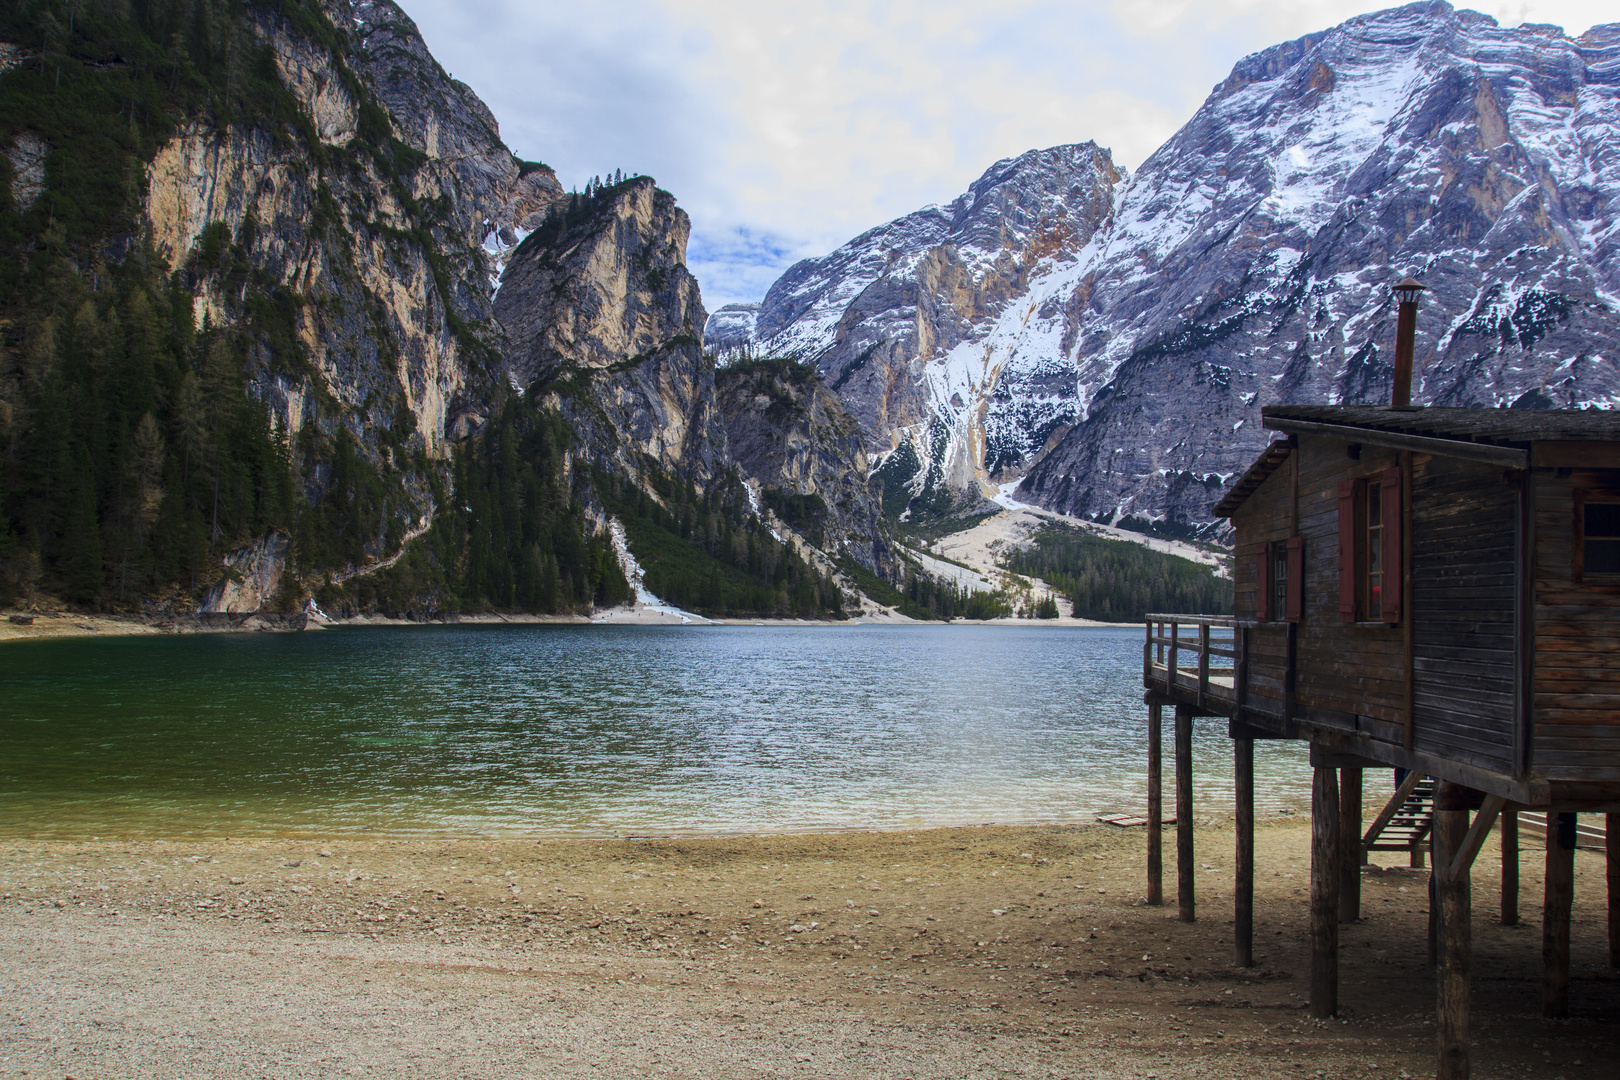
x=934, y=954
x=64, y=624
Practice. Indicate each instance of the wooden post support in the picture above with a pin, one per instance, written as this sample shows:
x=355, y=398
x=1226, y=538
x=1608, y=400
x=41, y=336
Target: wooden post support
x=1611, y=829
x=1184, y=814
x=1510, y=868
x=1325, y=849
x=1155, y=784
x=1555, y=916
x=1351, y=855
x=1454, y=906
x=1243, y=863
x=1434, y=904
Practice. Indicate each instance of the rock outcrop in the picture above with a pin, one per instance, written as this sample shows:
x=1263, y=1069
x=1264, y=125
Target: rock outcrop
x=794, y=436
x=896, y=319
x=378, y=234
x=1248, y=262
x=600, y=311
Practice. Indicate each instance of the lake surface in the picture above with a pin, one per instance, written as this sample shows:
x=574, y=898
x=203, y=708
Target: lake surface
x=588, y=730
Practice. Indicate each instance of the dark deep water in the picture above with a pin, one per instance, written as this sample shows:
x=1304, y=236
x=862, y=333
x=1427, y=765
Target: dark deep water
x=586, y=730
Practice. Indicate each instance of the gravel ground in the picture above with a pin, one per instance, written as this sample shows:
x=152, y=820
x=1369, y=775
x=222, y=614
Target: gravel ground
x=943, y=953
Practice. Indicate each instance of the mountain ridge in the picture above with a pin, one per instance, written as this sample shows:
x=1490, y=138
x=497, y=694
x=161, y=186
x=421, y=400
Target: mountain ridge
x=1247, y=262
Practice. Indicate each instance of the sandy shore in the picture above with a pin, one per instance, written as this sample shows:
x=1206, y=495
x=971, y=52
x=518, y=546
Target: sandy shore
x=942, y=953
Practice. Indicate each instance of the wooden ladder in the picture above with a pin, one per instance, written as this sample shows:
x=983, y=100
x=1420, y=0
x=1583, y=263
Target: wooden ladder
x=1406, y=820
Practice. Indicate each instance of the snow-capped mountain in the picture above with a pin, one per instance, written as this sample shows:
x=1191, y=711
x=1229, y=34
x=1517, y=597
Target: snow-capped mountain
x=1248, y=262
x=895, y=318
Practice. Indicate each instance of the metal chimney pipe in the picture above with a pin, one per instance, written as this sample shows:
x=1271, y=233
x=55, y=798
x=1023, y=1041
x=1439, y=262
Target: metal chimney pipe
x=1400, y=396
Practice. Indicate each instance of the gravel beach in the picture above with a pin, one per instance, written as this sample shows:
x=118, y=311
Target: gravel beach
x=970, y=952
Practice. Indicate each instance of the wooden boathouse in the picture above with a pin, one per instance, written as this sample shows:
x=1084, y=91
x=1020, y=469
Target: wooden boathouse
x=1433, y=590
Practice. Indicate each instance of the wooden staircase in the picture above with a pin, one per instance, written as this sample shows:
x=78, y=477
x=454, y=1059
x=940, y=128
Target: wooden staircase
x=1406, y=820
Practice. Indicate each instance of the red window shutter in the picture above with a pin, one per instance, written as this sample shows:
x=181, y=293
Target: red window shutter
x=1394, y=535
x=1347, y=551
x=1296, y=578
x=1262, y=582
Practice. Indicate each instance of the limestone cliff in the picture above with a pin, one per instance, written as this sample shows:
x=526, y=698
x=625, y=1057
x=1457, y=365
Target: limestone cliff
x=601, y=313
x=374, y=233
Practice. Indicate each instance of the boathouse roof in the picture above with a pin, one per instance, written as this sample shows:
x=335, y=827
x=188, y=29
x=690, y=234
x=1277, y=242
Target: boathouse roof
x=1497, y=436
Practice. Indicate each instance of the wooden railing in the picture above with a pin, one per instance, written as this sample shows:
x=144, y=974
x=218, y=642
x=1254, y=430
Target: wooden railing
x=1213, y=644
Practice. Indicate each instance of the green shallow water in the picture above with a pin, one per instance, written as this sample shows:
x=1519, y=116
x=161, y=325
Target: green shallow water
x=581, y=730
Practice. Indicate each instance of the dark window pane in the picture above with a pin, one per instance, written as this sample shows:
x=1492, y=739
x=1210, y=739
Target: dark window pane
x=1602, y=556
x=1603, y=519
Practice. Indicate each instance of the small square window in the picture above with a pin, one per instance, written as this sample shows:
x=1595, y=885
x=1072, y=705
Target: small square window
x=1600, y=538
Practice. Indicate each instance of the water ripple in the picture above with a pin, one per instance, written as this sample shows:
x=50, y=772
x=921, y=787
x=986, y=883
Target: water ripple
x=586, y=729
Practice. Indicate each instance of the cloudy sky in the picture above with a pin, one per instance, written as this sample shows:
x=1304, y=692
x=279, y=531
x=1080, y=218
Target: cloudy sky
x=784, y=129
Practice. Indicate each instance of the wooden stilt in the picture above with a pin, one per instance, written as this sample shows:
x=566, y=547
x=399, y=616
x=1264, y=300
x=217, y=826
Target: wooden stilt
x=1184, y=814
x=1155, y=843
x=1510, y=868
x=1434, y=905
x=1611, y=829
x=1350, y=855
x=1555, y=916
x=1454, y=906
x=1243, y=863
x=1325, y=879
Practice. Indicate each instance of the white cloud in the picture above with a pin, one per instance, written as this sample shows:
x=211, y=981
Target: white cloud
x=785, y=129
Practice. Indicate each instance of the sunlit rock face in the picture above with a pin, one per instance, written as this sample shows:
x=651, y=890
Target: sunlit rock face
x=1248, y=262
x=393, y=272
x=599, y=309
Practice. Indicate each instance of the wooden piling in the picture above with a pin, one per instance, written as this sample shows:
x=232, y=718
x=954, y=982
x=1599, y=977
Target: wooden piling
x=1510, y=867
x=1555, y=916
x=1243, y=863
x=1611, y=829
x=1184, y=814
x=1155, y=782
x=1434, y=904
x=1325, y=878
x=1454, y=923
x=1351, y=856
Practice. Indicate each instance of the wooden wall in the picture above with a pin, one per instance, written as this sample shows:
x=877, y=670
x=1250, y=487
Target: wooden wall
x=1354, y=675
x=1353, y=669
x=1577, y=659
x=1464, y=543
x=1264, y=517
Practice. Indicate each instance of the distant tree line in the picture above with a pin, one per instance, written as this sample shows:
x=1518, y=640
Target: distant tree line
x=711, y=553
x=1119, y=581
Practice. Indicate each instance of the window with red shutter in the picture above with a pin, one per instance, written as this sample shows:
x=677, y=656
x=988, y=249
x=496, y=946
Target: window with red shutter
x=1296, y=579
x=1391, y=539
x=1347, y=551
x=1262, y=581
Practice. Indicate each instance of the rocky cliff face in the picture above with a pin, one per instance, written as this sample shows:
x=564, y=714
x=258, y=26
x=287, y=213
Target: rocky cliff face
x=895, y=320
x=375, y=233
x=1423, y=140
x=1247, y=263
x=600, y=311
x=794, y=436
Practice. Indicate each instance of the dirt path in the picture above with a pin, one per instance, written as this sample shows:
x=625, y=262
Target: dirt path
x=945, y=953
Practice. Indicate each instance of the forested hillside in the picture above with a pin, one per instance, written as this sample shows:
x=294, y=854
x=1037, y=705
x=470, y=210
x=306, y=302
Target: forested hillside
x=244, y=295
x=1119, y=581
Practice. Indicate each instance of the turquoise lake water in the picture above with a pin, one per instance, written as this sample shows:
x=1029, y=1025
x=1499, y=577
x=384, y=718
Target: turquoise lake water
x=587, y=730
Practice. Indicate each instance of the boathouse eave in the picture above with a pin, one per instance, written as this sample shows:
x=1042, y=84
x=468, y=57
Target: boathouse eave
x=1267, y=463
x=1503, y=437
